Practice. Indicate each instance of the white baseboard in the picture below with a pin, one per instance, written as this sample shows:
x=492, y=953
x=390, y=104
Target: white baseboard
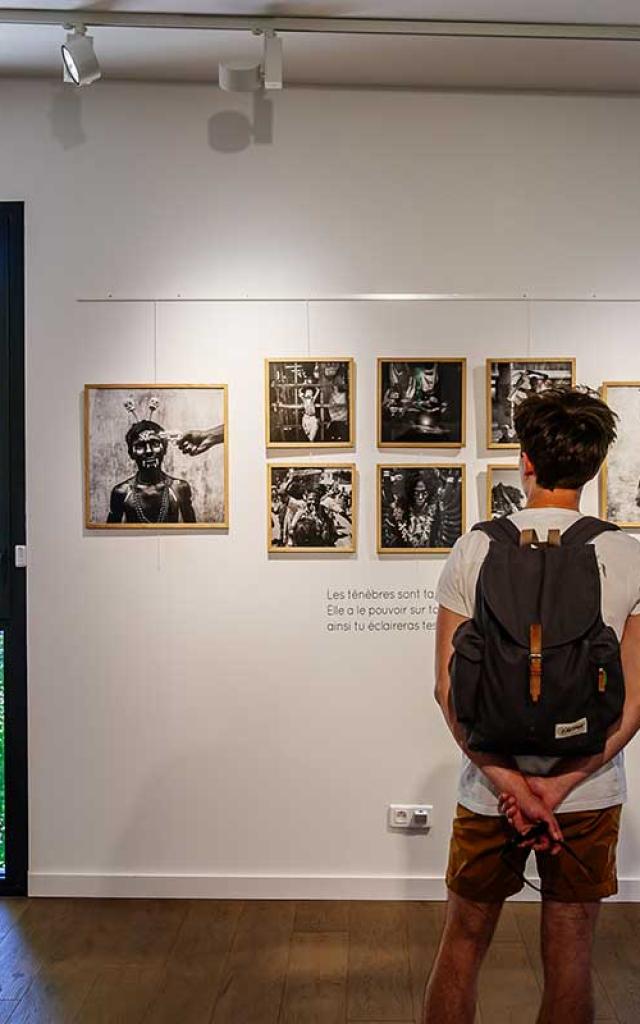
x=229, y=887
x=264, y=887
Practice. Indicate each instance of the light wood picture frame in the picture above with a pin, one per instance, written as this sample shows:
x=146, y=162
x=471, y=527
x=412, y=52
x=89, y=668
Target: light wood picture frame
x=619, y=489
x=421, y=402
x=309, y=402
x=505, y=477
x=312, y=508
x=156, y=457
x=508, y=381
x=430, y=523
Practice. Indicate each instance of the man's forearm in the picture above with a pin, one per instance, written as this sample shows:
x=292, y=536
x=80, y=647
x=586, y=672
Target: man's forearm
x=572, y=771
x=502, y=772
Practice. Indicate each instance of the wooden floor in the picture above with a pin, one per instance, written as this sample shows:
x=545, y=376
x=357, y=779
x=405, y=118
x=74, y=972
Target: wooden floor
x=262, y=962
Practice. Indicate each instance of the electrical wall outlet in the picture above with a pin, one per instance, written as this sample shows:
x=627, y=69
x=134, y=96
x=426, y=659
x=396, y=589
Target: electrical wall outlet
x=410, y=816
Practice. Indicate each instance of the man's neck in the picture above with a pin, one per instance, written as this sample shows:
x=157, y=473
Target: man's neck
x=150, y=476
x=539, y=498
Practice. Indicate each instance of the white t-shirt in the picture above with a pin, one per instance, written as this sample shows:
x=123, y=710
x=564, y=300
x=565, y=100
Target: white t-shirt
x=618, y=557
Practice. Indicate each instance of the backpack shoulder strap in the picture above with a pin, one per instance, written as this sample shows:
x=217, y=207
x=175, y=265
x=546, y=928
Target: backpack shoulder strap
x=501, y=530
x=585, y=529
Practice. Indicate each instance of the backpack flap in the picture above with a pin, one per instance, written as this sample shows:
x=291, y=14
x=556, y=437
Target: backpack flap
x=549, y=585
x=570, y=600
x=509, y=586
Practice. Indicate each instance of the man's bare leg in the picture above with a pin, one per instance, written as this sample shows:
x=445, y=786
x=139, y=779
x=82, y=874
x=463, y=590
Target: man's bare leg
x=452, y=990
x=567, y=941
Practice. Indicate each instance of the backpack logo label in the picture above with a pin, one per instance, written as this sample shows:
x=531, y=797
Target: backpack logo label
x=566, y=729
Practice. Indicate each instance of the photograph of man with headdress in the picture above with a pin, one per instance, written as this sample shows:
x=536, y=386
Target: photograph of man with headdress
x=420, y=508
x=421, y=403
x=155, y=456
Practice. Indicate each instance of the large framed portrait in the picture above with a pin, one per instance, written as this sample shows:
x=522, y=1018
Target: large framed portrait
x=309, y=403
x=156, y=456
x=421, y=403
x=311, y=508
x=420, y=509
x=504, y=490
x=511, y=380
x=620, y=475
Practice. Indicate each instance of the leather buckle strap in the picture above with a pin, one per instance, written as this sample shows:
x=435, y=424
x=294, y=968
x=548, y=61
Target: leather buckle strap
x=528, y=537
x=535, y=661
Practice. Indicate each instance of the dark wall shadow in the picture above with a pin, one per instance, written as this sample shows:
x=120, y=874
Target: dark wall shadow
x=231, y=131
x=65, y=116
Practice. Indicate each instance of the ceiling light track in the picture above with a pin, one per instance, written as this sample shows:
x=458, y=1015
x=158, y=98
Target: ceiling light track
x=348, y=26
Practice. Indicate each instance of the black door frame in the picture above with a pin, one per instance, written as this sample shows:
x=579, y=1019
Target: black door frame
x=12, y=525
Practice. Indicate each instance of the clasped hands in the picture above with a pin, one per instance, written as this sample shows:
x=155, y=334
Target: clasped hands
x=535, y=799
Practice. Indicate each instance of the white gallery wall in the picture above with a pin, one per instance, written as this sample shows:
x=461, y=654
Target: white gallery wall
x=194, y=727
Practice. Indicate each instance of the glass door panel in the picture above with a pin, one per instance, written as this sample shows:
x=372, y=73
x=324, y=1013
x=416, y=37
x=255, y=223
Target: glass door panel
x=13, y=730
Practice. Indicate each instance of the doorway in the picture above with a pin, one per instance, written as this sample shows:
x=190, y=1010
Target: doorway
x=13, y=674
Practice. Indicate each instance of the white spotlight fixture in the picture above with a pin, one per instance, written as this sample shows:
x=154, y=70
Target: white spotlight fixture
x=240, y=77
x=80, y=64
x=248, y=77
x=272, y=62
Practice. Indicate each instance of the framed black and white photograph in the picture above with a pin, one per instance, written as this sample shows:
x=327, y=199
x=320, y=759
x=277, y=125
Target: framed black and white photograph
x=156, y=456
x=420, y=509
x=620, y=475
x=511, y=380
x=311, y=508
x=309, y=403
x=421, y=403
x=504, y=490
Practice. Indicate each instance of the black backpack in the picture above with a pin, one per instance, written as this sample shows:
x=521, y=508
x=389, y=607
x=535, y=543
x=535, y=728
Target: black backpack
x=536, y=670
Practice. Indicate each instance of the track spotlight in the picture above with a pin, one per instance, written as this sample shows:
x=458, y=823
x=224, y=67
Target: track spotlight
x=80, y=64
x=246, y=77
x=272, y=62
x=240, y=77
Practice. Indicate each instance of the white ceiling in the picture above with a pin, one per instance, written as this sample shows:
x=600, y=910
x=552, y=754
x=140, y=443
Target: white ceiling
x=349, y=60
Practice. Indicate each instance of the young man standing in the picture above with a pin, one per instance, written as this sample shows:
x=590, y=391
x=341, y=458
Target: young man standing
x=564, y=437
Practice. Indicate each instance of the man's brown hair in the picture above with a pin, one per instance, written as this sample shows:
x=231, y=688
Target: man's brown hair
x=566, y=432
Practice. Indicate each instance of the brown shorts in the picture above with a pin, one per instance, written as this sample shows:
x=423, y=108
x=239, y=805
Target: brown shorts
x=479, y=870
